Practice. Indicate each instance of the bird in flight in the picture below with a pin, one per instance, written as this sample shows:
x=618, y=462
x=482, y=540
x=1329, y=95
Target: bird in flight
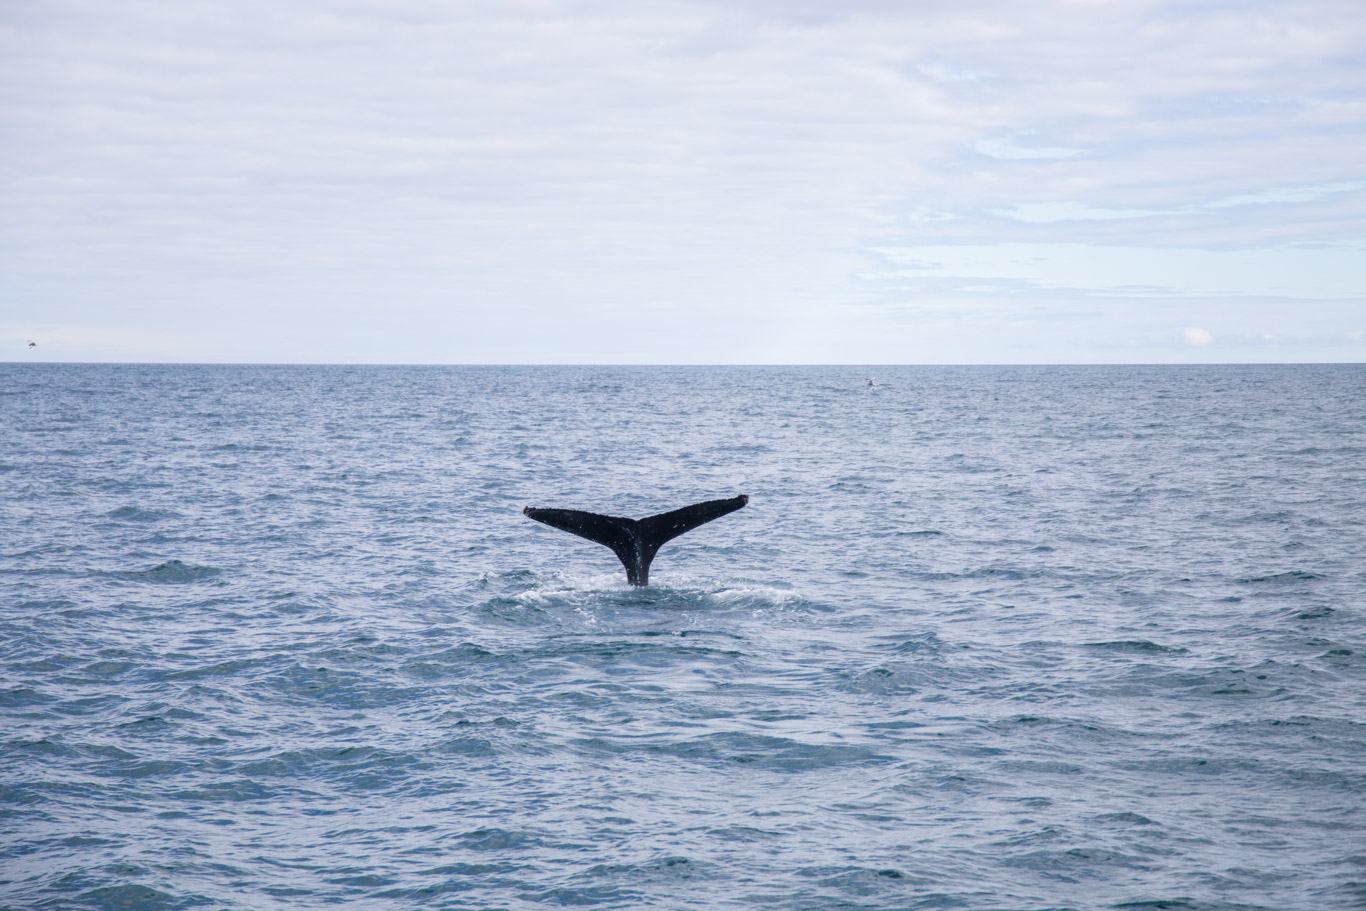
x=32, y=344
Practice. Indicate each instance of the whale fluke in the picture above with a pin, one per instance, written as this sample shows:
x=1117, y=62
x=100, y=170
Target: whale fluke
x=635, y=541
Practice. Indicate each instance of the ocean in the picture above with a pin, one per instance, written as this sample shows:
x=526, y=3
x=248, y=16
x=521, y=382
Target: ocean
x=983, y=638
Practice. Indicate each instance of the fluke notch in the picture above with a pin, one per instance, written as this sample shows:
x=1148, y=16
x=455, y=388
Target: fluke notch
x=635, y=541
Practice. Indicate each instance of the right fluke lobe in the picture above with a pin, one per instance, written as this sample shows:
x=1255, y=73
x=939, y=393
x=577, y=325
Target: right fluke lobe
x=635, y=541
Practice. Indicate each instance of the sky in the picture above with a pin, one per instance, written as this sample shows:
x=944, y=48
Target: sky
x=636, y=182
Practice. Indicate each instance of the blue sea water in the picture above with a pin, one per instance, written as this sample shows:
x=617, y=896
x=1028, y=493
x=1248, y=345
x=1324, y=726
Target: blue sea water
x=996, y=638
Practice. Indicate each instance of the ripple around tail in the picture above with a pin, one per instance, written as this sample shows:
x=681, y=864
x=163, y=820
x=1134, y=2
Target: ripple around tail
x=667, y=592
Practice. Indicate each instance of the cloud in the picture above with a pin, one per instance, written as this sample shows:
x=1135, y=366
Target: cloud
x=941, y=72
x=1112, y=271
x=1199, y=338
x=1009, y=148
x=926, y=214
x=1052, y=212
x=1273, y=195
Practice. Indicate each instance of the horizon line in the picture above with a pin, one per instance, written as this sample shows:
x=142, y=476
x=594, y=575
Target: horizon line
x=677, y=365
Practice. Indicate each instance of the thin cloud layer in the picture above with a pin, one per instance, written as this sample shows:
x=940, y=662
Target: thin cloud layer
x=677, y=182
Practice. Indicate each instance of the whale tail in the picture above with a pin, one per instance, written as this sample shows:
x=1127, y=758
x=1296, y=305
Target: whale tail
x=635, y=541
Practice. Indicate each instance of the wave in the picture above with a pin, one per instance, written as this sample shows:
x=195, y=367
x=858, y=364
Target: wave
x=1286, y=578
x=733, y=748
x=171, y=572
x=1136, y=645
x=141, y=514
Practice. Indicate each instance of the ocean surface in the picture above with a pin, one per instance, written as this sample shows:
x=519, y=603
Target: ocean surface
x=983, y=638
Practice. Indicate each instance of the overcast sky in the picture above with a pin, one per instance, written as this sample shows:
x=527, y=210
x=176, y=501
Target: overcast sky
x=687, y=182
